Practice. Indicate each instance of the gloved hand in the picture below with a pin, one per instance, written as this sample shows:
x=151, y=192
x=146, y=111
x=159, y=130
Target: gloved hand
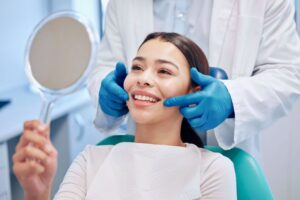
x=207, y=108
x=112, y=96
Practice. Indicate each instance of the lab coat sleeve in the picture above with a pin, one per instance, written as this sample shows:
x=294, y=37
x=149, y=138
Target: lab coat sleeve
x=110, y=52
x=274, y=85
x=219, y=180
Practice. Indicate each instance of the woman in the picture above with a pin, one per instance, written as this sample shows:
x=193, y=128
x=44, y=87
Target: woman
x=164, y=162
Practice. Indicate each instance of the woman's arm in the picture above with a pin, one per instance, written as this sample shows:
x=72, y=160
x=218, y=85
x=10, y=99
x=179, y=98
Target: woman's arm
x=218, y=180
x=35, y=161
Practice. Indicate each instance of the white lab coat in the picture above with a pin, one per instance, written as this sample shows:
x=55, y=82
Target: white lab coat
x=255, y=41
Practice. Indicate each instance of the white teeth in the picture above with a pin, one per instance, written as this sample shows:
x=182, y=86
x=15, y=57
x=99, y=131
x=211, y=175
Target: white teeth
x=144, y=98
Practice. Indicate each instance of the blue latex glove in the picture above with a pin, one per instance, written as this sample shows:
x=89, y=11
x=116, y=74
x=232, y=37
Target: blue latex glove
x=207, y=108
x=112, y=96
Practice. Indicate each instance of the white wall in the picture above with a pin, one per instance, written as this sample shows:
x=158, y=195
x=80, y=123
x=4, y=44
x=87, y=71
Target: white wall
x=17, y=20
x=281, y=155
x=89, y=10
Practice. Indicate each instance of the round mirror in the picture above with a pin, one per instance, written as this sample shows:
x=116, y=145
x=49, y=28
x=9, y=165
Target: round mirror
x=60, y=53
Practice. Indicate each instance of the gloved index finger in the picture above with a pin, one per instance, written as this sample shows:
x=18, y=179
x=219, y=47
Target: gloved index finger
x=200, y=78
x=120, y=73
x=185, y=100
x=118, y=91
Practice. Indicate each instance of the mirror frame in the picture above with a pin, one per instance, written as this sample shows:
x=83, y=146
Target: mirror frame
x=94, y=39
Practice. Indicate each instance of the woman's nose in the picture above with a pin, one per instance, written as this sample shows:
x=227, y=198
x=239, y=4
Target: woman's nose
x=145, y=79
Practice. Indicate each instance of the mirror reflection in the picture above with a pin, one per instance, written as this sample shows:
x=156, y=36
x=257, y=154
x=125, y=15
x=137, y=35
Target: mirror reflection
x=60, y=53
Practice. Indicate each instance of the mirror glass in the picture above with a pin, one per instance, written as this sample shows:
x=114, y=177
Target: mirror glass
x=60, y=54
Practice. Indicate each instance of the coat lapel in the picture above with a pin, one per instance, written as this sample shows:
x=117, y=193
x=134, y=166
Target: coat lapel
x=221, y=14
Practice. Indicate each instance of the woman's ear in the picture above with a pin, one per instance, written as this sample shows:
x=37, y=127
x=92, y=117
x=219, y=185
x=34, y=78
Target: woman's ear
x=196, y=89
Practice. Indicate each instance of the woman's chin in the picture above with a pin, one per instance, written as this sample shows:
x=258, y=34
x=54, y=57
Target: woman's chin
x=154, y=115
x=144, y=117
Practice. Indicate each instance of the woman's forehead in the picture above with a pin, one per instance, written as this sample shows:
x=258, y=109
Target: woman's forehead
x=157, y=49
x=158, y=46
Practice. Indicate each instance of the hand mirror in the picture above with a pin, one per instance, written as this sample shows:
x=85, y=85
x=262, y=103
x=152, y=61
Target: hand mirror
x=60, y=53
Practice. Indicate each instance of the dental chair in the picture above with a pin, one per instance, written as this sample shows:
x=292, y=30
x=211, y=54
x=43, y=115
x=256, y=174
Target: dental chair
x=250, y=179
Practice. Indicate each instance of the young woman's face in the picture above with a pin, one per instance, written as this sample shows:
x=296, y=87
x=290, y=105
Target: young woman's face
x=159, y=71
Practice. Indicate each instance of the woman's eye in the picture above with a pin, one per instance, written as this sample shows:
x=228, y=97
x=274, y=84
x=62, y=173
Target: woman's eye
x=136, y=67
x=164, y=71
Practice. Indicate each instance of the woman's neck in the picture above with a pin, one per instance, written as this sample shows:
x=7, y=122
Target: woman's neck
x=164, y=133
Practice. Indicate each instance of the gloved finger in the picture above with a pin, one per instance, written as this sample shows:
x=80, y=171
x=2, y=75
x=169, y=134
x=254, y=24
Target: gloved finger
x=108, y=86
x=208, y=125
x=106, y=97
x=193, y=112
x=114, y=112
x=200, y=78
x=185, y=100
x=111, y=107
x=115, y=105
x=120, y=73
x=197, y=123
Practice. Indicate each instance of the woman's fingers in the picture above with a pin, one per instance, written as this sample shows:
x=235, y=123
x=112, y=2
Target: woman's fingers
x=31, y=137
x=25, y=169
x=50, y=150
x=29, y=153
x=37, y=125
x=35, y=133
x=32, y=124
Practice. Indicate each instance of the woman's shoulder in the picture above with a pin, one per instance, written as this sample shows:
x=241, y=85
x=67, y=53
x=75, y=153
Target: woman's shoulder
x=94, y=155
x=94, y=151
x=213, y=162
x=210, y=156
x=207, y=155
x=218, y=179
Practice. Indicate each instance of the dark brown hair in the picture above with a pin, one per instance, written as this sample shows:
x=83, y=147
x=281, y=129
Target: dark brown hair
x=195, y=58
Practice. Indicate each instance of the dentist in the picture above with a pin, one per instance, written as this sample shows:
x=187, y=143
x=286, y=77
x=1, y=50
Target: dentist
x=254, y=41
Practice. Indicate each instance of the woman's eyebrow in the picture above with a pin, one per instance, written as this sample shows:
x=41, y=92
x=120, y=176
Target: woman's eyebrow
x=161, y=61
x=139, y=58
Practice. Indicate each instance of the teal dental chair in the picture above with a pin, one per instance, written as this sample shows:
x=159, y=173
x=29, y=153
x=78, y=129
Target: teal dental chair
x=250, y=179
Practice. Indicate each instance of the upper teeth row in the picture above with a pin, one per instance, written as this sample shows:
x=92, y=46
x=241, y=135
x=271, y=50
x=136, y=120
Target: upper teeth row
x=144, y=98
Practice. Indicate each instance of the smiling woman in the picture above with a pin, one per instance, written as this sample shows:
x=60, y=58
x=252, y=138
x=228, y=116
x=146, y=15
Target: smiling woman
x=159, y=71
x=161, y=163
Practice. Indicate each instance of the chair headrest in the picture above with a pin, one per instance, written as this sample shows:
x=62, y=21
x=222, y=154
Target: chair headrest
x=218, y=73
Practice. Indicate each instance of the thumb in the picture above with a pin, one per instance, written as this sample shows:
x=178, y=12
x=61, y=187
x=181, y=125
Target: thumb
x=200, y=78
x=120, y=73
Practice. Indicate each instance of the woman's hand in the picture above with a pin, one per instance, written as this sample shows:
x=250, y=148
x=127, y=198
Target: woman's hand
x=35, y=161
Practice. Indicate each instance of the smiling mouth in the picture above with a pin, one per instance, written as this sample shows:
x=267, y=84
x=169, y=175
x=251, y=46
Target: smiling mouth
x=144, y=98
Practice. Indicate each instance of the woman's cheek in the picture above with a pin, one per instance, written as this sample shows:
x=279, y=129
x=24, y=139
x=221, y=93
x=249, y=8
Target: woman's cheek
x=127, y=82
x=174, y=89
